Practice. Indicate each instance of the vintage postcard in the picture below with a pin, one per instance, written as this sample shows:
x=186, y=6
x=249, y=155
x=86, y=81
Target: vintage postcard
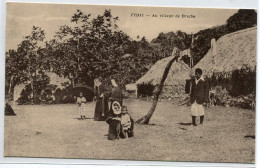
x=130, y=83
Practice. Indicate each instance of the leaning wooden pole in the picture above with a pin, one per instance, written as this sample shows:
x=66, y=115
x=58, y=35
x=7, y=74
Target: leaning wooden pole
x=192, y=46
x=157, y=91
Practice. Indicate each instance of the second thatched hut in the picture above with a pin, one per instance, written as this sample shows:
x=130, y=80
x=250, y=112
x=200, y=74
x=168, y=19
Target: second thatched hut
x=231, y=62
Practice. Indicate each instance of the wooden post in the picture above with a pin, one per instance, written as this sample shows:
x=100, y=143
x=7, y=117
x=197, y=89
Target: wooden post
x=191, y=58
x=10, y=85
x=192, y=45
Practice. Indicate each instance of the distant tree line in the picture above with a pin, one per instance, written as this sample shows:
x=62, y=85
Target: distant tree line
x=244, y=18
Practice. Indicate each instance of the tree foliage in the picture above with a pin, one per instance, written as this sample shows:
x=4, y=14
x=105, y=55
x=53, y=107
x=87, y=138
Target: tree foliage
x=92, y=48
x=25, y=63
x=243, y=19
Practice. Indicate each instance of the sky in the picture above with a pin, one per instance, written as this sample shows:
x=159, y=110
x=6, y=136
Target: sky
x=134, y=21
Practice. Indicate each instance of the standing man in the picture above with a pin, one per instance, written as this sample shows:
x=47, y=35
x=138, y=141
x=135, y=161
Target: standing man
x=199, y=96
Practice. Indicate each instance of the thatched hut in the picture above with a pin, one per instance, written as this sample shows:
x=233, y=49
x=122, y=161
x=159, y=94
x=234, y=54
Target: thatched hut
x=24, y=94
x=231, y=62
x=174, y=84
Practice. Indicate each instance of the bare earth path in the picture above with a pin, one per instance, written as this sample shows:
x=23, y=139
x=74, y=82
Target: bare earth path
x=54, y=131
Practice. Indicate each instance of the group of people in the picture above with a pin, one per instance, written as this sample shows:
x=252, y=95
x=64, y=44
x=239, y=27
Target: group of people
x=102, y=97
x=198, y=97
x=113, y=116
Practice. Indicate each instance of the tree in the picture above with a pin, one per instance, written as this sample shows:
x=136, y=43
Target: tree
x=29, y=56
x=13, y=69
x=27, y=63
x=202, y=41
x=244, y=18
x=157, y=92
x=92, y=48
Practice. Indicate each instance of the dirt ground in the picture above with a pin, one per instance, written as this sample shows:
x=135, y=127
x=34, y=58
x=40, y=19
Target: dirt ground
x=53, y=131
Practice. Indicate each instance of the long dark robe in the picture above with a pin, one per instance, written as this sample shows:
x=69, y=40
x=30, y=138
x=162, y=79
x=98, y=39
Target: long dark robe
x=101, y=110
x=116, y=95
x=114, y=128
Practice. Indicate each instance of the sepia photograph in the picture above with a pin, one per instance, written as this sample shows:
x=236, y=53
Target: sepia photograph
x=130, y=83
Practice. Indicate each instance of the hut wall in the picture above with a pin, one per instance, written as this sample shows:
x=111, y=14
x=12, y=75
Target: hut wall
x=145, y=90
x=240, y=82
x=168, y=91
x=173, y=91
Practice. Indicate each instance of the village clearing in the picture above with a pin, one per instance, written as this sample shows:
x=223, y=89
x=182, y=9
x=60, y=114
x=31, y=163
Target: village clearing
x=53, y=131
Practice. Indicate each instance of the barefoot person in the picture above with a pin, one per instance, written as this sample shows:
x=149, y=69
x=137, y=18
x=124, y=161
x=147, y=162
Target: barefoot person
x=199, y=96
x=101, y=110
x=126, y=123
x=81, y=101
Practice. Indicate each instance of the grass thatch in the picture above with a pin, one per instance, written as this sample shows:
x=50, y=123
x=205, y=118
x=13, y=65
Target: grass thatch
x=233, y=52
x=177, y=75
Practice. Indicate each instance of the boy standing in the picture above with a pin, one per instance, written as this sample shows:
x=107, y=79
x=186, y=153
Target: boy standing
x=199, y=96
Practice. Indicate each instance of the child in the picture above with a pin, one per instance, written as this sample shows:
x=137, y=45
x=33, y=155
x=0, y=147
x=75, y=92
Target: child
x=125, y=122
x=81, y=101
x=199, y=96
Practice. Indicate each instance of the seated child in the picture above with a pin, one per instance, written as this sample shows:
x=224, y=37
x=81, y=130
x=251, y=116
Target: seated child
x=126, y=123
x=81, y=101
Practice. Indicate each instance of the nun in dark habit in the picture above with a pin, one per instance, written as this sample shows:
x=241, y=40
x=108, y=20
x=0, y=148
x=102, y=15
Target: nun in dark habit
x=101, y=96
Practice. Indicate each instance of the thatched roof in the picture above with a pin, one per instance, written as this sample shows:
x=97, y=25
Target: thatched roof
x=178, y=73
x=232, y=52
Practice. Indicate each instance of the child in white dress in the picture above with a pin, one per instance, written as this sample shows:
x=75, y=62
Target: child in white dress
x=125, y=122
x=81, y=101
